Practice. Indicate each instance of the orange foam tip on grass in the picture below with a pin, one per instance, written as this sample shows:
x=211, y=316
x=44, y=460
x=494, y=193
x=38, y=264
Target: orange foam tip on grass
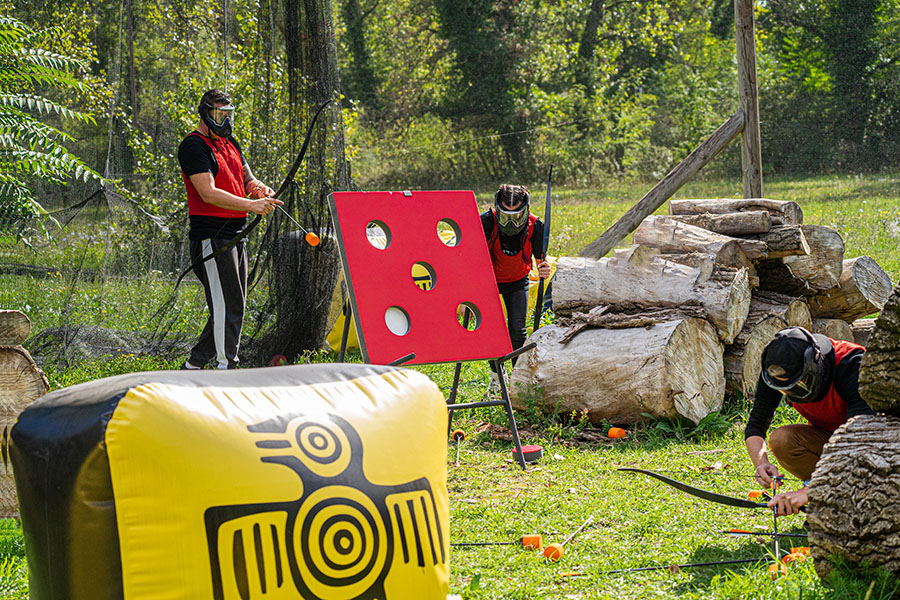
x=554, y=552
x=571, y=574
x=312, y=239
x=458, y=435
x=616, y=433
x=755, y=494
x=793, y=557
x=533, y=541
x=776, y=569
x=804, y=550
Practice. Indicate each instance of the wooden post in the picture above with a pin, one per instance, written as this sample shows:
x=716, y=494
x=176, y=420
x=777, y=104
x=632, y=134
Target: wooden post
x=663, y=190
x=751, y=153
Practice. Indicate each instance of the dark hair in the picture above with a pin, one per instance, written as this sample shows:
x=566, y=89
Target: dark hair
x=511, y=195
x=215, y=96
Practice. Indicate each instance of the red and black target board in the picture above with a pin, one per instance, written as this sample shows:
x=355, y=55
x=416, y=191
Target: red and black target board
x=416, y=263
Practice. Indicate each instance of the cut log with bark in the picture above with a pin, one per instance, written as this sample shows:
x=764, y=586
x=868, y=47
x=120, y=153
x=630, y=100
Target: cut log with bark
x=14, y=327
x=821, y=267
x=775, y=276
x=784, y=240
x=853, y=496
x=21, y=383
x=879, y=371
x=722, y=267
x=862, y=329
x=794, y=311
x=641, y=275
x=781, y=212
x=672, y=369
x=743, y=358
x=862, y=289
x=672, y=237
x=736, y=223
x=729, y=255
x=836, y=329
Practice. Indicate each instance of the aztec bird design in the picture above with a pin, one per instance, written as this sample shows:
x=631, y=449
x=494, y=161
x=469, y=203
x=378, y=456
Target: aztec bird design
x=338, y=540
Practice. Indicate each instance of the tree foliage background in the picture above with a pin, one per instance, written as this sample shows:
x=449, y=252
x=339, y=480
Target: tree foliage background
x=472, y=92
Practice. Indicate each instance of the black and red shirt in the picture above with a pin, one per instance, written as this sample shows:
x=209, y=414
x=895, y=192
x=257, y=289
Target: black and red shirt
x=223, y=158
x=837, y=403
x=511, y=254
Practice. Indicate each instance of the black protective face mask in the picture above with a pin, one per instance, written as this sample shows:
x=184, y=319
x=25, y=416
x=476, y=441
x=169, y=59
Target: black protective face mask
x=217, y=118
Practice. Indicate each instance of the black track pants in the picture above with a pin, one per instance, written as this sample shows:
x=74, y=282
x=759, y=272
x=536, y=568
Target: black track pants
x=224, y=279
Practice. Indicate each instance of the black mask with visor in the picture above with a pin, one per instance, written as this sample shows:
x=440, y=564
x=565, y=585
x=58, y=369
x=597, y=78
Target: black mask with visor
x=511, y=220
x=793, y=364
x=218, y=118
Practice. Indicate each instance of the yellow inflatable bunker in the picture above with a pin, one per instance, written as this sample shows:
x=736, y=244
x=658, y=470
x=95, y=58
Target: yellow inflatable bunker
x=313, y=482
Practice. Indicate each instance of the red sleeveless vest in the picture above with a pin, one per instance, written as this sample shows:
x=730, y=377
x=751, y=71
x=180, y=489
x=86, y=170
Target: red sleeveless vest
x=830, y=412
x=229, y=178
x=511, y=268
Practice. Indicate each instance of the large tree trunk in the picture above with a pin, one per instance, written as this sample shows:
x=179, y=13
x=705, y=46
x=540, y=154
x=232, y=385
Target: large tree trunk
x=667, y=370
x=780, y=212
x=836, y=329
x=743, y=358
x=853, y=496
x=879, y=372
x=305, y=274
x=862, y=289
x=640, y=276
x=821, y=267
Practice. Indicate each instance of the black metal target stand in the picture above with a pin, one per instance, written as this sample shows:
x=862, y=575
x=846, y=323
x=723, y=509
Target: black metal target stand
x=452, y=406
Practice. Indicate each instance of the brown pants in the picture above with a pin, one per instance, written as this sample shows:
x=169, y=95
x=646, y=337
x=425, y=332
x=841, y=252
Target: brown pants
x=798, y=448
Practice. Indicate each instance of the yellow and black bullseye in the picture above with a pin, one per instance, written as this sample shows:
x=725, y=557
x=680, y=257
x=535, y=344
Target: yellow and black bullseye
x=340, y=543
x=324, y=448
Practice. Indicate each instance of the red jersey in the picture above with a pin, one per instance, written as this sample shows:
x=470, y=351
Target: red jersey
x=830, y=412
x=229, y=178
x=511, y=268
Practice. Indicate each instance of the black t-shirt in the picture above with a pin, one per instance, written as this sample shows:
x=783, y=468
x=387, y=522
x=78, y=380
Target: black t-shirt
x=195, y=156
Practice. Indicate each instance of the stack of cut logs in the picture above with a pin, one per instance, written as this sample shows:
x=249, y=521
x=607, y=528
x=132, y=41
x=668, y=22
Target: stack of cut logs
x=21, y=382
x=669, y=325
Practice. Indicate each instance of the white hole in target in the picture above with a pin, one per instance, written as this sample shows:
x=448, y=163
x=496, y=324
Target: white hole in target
x=397, y=320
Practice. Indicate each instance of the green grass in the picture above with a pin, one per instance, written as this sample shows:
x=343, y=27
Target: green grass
x=637, y=521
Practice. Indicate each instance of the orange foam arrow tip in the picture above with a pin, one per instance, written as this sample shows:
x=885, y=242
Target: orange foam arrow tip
x=533, y=541
x=554, y=552
x=312, y=239
x=755, y=494
x=616, y=433
x=458, y=435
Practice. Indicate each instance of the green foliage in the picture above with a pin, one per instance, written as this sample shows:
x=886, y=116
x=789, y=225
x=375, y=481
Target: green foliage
x=29, y=148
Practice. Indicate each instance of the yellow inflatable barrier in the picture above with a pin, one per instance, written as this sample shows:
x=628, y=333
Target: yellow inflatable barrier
x=314, y=482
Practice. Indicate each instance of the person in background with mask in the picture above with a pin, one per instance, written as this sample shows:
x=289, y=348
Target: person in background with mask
x=514, y=236
x=221, y=190
x=819, y=377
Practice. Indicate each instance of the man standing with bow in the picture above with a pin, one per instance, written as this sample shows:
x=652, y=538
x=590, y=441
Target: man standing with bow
x=221, y=190
x=819, y=377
